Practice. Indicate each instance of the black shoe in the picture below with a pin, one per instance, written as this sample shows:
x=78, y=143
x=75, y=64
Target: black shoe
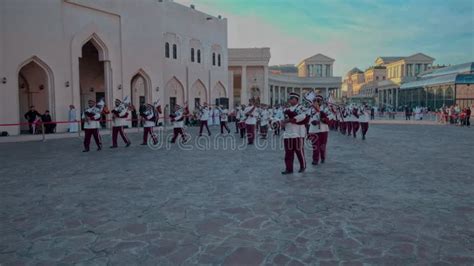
x=301, y=170
x=113, y=147
x=85, y=151
x=363, y=137
x=322, y=160
x=287, y=172
x=128, y=144
x=314, y=163
x=99, y=148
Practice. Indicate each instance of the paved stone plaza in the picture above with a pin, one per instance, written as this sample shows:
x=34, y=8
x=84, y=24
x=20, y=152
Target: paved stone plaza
x=405, y=196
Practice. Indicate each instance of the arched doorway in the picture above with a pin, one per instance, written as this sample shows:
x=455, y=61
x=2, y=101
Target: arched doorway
x=93, y=73
x=449, y=96
x=439, y=98
x=219, y=95
x=140, y=89
x=198, y=94
x=174, y=94
x=35, y=88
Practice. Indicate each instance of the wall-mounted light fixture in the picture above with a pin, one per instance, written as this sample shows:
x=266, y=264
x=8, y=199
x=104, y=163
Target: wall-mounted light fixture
x=91, y=89
x=41, y=87
x=4, y=80
x=119, y=87
x=157, y=89
x=67, y=84
x=22, y=86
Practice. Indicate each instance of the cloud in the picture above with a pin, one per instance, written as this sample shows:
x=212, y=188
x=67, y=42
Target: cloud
x=352, y=32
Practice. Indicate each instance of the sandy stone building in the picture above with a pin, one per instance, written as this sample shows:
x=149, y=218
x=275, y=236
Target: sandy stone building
x=381, y=82
x=61, y=52
x=251, y=79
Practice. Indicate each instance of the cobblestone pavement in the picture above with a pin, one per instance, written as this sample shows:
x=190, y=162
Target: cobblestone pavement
x=402, y=197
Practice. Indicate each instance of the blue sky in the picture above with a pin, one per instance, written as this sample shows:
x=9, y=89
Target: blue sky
x=354, y=32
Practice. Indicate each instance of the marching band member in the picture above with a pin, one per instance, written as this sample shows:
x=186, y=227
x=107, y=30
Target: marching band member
x=119, y=116
x=337, y=120
x=235, y=115
x=349, y=120
x=177, y=118
x=251, y=121
x=276, y=121
x=343, y=116
x=224, y=119
x=205, y=114
x=149, y=117
x=331, y=116
x=318, y=130
x=364, y=120
x=355, y=121
x=241, y=117
x=216, y=115
x=264, y=116
x=295, y=132
x=91, y=118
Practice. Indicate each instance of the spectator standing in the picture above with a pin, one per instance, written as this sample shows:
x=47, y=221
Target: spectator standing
x=72, y=118
x=32, y=116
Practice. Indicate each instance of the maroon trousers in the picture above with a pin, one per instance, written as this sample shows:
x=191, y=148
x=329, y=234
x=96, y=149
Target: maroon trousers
x=176, y=133
x=349, y=128
x=364, y=127
x=89, y=132
x=294, y=146
x=149, y=131
x=355, y=128
x=319, y=141
x=342, y=127
x=242, y=127
x=204, y=124
x=115, y=132
x=224, y=126
x=250, y=133
x=264, y=131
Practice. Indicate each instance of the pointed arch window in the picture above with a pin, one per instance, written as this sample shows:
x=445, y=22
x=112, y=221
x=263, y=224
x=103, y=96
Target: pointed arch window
x=213, y=59
x=199, y=56
x=219, y=60
x=175, y=51
x=167, y=50
x=192, y=54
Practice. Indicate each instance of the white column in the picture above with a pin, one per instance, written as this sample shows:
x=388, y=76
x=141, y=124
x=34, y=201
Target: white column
x=243, y=90
x=266, y=94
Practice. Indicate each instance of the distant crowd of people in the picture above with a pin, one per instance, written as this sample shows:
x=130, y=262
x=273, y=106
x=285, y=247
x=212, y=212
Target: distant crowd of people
x=454, y=115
